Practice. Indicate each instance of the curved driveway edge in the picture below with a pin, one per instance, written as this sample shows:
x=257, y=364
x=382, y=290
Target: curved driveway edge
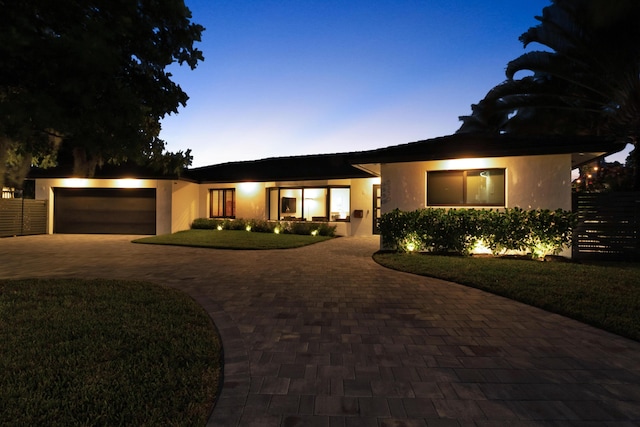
x=323, y=336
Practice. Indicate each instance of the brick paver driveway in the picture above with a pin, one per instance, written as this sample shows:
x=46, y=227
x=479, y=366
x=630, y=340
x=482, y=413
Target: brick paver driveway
x=323, y=336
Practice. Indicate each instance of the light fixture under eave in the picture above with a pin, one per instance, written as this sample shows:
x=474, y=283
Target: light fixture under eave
x=248, y=187
x=471, y=163
x=128, y=183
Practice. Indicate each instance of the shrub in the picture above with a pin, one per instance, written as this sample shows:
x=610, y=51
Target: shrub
x=458, y=231
x=206, y=223
x=264, y=226
x=302, y=227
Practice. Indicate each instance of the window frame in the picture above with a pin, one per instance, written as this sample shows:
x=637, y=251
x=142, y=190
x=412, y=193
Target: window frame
x=465, y=175
x=327, y=212
x=223, y=192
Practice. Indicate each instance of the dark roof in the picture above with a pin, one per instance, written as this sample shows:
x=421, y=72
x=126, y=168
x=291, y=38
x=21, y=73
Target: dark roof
x=297, y=168
x=106, y=171
x=342, y=165
x=472, y=145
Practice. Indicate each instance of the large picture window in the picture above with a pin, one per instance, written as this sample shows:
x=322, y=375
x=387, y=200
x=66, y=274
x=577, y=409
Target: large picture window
x=310, y=204
x=481, y=187
x=223, y=203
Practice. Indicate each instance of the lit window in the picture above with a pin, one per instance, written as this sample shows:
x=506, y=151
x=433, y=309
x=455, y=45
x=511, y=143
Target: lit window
x=481, y=187
x=309, y=204
x=340, y=204
x=223, y=203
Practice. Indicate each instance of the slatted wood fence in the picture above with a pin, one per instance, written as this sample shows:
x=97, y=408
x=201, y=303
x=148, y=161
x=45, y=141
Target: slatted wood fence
x=22, y=217
x=608, y=228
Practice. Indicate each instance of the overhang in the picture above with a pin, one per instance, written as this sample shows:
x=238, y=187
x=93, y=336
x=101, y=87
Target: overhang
x=582, y=149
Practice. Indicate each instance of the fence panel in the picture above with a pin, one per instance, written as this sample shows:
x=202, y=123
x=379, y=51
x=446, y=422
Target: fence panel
x=608, y=226
x=22, y=217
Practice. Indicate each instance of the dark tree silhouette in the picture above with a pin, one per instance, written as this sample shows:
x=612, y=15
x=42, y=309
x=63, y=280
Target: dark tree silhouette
x=584, y=81
x=88, y=77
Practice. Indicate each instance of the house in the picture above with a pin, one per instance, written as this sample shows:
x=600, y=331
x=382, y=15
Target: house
x=349, y=190
x=482, y=171
x=326, y=188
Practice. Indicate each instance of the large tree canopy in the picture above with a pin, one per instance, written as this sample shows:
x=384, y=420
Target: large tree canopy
x=88, y=78
x=585, y=80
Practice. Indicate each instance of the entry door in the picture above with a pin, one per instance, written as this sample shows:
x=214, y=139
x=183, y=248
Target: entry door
x=377, y=198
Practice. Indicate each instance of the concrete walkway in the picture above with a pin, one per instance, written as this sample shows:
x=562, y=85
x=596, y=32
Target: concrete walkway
x=323, y=336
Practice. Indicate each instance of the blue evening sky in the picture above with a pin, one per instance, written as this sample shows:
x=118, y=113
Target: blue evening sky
x=292, y=77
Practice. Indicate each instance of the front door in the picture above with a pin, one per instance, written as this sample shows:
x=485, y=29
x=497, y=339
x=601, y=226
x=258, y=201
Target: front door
x=377, y=196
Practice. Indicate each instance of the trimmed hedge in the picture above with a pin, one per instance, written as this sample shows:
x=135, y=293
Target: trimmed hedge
x=512, y=230
x=263, y=226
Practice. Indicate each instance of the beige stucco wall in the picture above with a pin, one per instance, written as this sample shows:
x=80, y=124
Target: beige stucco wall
x=45, y=186
x=532, y=182
x=251, y=200
x=185, y=205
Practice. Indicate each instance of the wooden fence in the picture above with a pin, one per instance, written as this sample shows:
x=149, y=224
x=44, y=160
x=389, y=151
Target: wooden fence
x=608, y=227
x=20, y=217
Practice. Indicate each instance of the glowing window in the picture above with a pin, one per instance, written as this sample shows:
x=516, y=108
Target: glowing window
x=309, y=204
x=223, y=203
x=339, y=204
x=479, y=187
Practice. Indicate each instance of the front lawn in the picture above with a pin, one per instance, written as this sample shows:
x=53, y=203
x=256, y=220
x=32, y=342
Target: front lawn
x=104, y=352
x=606, y=296
x=233, y=239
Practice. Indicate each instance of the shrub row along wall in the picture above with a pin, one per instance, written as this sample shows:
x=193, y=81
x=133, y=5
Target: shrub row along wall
x=263, y=226
x=465, y=231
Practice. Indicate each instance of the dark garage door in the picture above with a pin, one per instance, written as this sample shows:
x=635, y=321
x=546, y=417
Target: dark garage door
x=104, y=210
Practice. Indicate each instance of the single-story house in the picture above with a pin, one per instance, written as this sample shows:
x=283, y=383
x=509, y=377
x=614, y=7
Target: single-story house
x=324, y=188
x=349, y=190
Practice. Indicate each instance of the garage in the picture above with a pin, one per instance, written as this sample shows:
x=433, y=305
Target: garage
x=104, y=210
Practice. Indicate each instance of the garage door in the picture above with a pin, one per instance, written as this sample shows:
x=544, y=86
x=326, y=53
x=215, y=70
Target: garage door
x=104, y=210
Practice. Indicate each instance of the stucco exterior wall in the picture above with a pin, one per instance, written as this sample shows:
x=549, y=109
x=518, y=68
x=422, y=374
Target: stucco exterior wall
x=185, y=205
x=362, y=199
x=252, y=200
x=532, y=182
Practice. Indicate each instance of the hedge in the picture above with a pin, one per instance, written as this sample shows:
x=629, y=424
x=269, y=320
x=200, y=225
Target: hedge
x=263, y=226
x=460, y=231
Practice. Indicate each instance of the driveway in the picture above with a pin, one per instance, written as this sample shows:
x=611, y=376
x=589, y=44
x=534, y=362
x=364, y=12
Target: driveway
x=323, y=336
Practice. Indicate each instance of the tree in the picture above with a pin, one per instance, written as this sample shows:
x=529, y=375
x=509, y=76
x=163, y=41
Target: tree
x=88, y=77
x=587, y=81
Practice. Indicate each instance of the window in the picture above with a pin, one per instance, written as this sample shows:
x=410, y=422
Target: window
x=339, y=204
x=309, y=204
x=223, y=203
x=482, y=187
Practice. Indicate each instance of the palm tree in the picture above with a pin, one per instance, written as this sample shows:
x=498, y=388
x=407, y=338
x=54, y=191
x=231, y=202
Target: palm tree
x=585, y=82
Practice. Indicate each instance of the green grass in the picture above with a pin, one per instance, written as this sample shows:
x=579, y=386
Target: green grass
x=233, y=239
x=606, y=295
x=104, y=352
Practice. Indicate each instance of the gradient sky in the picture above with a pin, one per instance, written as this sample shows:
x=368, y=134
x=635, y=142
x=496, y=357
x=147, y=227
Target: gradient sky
x=292, y=77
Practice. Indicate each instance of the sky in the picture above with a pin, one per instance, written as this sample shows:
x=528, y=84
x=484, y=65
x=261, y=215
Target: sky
x=297, y=77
